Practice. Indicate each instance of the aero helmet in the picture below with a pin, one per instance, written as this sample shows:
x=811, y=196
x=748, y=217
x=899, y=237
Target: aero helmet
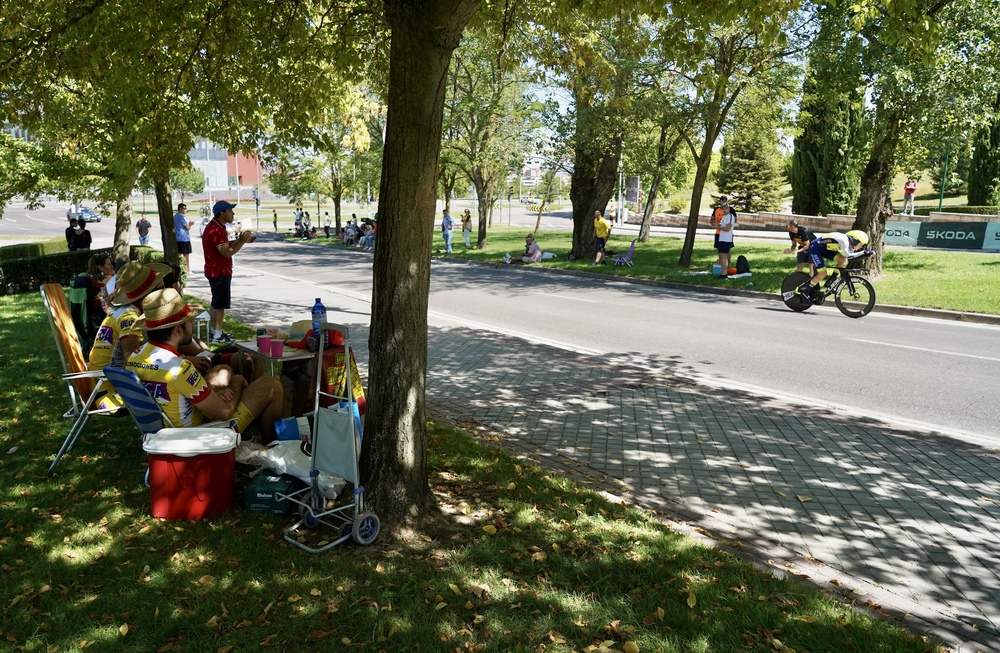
x=858, y=235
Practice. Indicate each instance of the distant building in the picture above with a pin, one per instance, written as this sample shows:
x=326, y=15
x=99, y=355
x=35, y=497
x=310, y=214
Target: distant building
x=223, y=170
x=18, y=132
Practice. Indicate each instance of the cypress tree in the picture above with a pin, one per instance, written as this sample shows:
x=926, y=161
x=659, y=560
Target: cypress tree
x=805, y=186
x=984, y=171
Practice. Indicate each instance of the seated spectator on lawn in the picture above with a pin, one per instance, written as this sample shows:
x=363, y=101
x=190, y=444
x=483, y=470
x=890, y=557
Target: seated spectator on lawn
x=368, y=239
x=85, y=296
x=186, y=396
x=532, y=252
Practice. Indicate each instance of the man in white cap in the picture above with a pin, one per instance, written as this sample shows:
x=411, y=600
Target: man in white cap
x=219, y=252
x=186, y=396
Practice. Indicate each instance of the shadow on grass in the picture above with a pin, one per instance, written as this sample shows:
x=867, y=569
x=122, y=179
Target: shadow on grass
x=84, y=566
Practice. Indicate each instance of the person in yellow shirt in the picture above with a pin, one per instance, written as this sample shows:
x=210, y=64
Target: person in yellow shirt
x=187, y=396
x=602, y=231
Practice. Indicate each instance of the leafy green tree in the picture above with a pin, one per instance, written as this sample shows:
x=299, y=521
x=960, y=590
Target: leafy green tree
x=927, y=65
x=187, y=180
x=752, y=51
x=487, y=113
x=984, y=171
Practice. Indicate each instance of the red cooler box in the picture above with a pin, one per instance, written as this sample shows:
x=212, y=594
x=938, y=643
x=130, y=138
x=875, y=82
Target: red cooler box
x=192, y=472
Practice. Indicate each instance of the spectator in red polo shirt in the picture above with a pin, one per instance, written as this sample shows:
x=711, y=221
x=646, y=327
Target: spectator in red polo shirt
x=219, y=252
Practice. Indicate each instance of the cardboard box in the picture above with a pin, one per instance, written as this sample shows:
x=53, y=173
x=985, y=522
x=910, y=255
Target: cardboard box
x=261, y=494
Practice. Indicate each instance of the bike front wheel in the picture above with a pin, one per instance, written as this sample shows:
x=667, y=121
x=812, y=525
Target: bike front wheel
x=855, y=297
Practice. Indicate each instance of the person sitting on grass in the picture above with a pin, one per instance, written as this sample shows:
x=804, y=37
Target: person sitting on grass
x=532, y=252
x=187, y=396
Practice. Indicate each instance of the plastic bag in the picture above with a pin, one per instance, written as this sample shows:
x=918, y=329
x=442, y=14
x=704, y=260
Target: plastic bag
x=286, y=457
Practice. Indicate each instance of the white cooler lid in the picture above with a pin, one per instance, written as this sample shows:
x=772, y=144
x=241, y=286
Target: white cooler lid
x=191, y=441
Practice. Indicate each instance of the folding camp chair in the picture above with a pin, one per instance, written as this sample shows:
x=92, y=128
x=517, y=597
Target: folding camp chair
x=627, y=258
x=83, y=385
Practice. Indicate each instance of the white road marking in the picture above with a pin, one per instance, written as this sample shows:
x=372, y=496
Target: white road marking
x=926, y=349
x=561, y=296
x=27, y=215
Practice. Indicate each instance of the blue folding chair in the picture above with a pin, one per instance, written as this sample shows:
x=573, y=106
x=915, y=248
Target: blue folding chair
x=148, y=415
x=627, y=258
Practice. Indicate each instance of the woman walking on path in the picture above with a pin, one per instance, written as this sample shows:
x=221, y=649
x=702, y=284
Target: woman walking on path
x=467, y=227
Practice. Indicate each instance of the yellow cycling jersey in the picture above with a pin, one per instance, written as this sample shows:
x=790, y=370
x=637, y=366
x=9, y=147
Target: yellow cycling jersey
x=105, y=350
x=172, y=380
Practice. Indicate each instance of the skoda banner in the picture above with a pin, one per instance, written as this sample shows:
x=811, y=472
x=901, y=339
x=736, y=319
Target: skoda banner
x=901, y=233
x=992, y=240
x=952, y=235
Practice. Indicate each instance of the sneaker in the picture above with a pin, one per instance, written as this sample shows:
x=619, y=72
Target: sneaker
x=224, y=339
x=805, y=291
x=506, y=258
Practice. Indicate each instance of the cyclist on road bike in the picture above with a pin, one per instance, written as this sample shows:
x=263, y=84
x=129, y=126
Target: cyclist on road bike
x=836, y=247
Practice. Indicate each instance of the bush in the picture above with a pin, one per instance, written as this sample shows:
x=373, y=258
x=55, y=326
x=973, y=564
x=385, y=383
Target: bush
x=676, y=203
x=26, y=250
x=28, y=273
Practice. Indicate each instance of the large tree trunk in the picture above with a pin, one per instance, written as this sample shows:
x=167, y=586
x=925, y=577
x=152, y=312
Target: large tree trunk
x=875, y=202
x=394, y=453
x=593, y=183
x=165, y=211
x=123, y=227
x=336, y=210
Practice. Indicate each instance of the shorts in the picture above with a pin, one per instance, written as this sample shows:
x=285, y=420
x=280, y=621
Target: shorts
x=183, y=246
x=599, y=245
x=724, y=246
x=802, y=256
x=221, y=291
x=817, y=252
x=144, y=240
x=242, y=416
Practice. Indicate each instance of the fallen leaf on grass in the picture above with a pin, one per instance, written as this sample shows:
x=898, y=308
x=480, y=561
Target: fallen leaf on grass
x=346, y=641
x=807, y=618
x=315, y=592
x=123, y=630
x=213, y=622
x=490, y=529
x=454, y=588
x=691, y=600
x=556, y=637
x=631, y=647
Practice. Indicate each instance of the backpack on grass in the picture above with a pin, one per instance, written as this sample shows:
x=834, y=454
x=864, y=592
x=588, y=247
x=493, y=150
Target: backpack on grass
x=742, y=265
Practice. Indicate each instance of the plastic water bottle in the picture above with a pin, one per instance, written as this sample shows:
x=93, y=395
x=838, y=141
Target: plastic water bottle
x=318, y=319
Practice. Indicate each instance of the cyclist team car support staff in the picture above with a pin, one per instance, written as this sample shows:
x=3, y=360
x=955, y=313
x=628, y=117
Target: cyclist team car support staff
x=837, y=247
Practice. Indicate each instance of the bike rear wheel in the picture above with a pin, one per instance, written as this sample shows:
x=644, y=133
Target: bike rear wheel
x=791, y=282
x=858, y=303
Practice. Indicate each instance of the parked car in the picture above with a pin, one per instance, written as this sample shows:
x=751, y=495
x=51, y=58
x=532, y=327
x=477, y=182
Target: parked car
x=527, y=200
x=85, y=214
x=204, y=223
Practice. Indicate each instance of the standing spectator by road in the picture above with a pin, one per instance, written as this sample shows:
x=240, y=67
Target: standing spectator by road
x=71, y=233
x=613, y=215
x=274, y=216
x=801, y=237
x=447, y=225
x=219, y=252
x=532, y=252
x=602, y=231
x=81, y=237
x=724, y=243
x=909, y=190
x=142, y=228
x=467, y=227
x=182, y=231
x=326, y=224
x=718, y=213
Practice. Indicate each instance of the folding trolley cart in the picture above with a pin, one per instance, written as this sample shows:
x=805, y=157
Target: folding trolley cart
x=335, y=448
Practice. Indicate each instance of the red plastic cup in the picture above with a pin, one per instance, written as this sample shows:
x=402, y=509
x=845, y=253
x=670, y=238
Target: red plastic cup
x=264, y=344
x=277, y=348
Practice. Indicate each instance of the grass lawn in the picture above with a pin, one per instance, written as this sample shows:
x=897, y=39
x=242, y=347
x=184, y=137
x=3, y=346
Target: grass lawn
x=521, y=559
x=958, y=281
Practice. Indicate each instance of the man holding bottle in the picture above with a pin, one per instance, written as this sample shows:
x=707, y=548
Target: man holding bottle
x=219, y=252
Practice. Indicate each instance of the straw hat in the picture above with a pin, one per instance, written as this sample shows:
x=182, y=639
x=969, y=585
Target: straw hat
x=135, y=280
x=162, y=309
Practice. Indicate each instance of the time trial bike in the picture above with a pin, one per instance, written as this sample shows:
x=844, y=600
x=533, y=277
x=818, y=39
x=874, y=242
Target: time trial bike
x=854, y=295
